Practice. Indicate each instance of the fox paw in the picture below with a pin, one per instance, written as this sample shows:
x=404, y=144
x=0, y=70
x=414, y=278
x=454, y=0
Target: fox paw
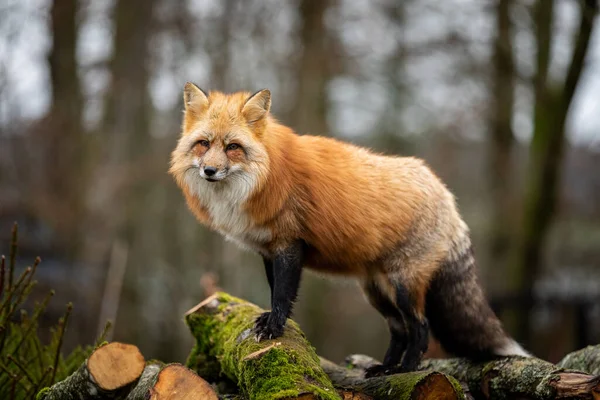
x=265, y=328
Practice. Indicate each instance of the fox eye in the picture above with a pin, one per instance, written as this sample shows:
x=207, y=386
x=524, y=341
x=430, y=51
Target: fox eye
x=232, y=146
x=203, y=143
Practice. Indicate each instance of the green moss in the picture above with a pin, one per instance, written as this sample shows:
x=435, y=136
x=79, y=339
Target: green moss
x=403, y=385
x=455, y=384
x=398, y=387
x=223, y=333
x=42, y=393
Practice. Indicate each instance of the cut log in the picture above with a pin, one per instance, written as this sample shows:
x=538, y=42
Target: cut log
x=284, y=368
x=518, y=377
x=507, y=378
x=171, y=382
x=585, y=360
x=412, y=385
x=109, y=372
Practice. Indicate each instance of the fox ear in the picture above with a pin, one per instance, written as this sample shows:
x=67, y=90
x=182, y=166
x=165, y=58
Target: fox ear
x=257, y=106
x=194, y=99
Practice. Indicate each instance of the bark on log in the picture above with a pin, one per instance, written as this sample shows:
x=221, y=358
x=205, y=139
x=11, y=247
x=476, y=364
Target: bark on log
x=284, y=368
x=118, y=371
x=173, y=381
x=109, y=372
x=511, y=377
x=412, y=385
x=518, y=377
x=586, y=360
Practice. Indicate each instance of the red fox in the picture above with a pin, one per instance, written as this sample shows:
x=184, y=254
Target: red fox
x=315, y=202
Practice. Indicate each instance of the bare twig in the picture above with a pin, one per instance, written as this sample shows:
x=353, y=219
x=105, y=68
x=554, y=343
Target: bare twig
x=12, y=255
x=2, y=273
x=62, y=326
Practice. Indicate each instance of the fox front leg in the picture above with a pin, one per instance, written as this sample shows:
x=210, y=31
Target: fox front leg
x=283, y=271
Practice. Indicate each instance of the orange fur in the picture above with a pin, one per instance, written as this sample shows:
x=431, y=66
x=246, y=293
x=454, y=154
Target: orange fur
x=354, y=207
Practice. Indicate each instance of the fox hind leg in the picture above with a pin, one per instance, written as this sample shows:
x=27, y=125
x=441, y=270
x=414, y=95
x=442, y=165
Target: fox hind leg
x=417, y=329
x=380, y=300
x=409, y=333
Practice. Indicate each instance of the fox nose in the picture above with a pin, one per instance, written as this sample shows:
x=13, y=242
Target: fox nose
x=210, y=171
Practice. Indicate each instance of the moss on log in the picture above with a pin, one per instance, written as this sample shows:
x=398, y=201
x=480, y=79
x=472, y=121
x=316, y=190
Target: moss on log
x=510, y=377
x=284, y=368
x=412, y=385
x=518, y=377
x=109, y=372
x=173, y=381
x=586, y=360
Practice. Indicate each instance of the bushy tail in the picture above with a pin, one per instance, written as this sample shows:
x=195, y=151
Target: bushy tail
x=460, y=316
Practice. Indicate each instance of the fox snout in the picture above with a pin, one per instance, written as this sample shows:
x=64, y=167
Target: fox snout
x=210, y=171
x=213, y=164
x=213, y=173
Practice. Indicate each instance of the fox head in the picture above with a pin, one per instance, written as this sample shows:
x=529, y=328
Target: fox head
x=220, y=145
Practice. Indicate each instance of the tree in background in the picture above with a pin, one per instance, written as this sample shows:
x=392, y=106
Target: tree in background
x=552, y=104
x=128, y=161
x=52, y=166
x=502, y=138
x=313, y=71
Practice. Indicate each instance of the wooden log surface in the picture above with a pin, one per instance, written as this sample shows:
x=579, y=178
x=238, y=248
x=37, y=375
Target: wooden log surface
x=109, y=372
x=222, y=327
x=283, y=368
x=287, y=367
x=585, y=360
x=412, y=385
x=117, y=371
x=511, y=377
x=518, y=377
x=173, y=382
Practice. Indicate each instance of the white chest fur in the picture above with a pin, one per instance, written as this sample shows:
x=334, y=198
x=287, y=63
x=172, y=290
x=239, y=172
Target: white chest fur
x=224, y=202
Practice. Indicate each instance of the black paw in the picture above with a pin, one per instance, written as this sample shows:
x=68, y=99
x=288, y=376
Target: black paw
x=265, y=328
x=381, y=370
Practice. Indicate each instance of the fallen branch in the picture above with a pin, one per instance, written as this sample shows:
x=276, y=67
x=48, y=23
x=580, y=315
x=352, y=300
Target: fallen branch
x=412, y=385
x=110, y=372
x=273, y=369
x=505, y=378
x=518, y=377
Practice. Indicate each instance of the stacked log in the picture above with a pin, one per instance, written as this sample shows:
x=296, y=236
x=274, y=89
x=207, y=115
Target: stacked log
x=118, y=371
x=227, y=354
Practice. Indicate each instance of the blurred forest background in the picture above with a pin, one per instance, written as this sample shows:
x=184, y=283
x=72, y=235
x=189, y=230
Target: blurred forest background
x=502, y=98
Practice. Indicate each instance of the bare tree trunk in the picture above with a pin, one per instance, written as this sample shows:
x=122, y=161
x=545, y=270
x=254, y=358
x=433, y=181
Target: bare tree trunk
x=129, y=165
x=310, y=111
x=388, y=130
x=126, y=120
x=56, y=193
x=552, y=103
x=502, y=138
x=222, y=60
